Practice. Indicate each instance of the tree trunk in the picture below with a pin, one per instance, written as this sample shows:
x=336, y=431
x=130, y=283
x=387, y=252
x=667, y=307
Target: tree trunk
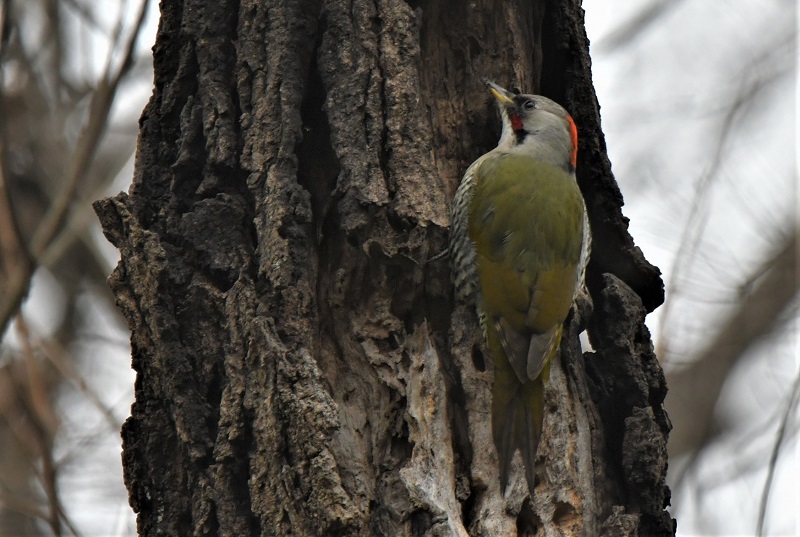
x=302, y=368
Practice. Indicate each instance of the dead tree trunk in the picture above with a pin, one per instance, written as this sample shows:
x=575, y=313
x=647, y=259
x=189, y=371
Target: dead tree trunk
x=302, y=369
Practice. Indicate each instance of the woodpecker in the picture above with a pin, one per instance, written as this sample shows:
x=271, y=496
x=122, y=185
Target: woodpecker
x=519, y=244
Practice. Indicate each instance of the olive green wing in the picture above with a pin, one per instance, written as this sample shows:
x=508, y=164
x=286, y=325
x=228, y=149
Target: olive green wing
x=526, y=222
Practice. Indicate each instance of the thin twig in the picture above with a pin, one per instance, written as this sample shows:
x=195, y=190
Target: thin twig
x=55, y=354
x=691, y=236
x=16, y=259
x=43, y=425
x=42, y=419
x=5, y=30
x=86, y=15
x=697, y=219
x=38, y=392
x=74, y=228
x=22, y=506
x=702, y=381
x=773, y=460
x=637, y=26
x=88, y=143
x=56, y=48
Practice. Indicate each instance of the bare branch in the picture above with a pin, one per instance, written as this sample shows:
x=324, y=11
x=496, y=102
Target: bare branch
x=20, y=505
x=696, y=221
x=637, y=26
x=87, y=145
x=773, y=460
x=86, y=15
x=44, y=422
x=52, y=223
x=61, y=362
x=702, y=381
x=16, y=258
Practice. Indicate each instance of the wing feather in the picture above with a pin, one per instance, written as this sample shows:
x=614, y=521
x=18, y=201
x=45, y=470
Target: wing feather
x=526, y=223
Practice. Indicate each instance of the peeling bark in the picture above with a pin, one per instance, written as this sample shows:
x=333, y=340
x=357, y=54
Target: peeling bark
x=301, y=366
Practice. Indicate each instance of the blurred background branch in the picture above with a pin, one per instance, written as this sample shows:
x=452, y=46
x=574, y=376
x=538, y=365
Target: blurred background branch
x=774, y=289
x=699, y=108
x=65, y=140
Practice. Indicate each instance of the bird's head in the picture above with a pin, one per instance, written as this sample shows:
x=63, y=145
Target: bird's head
x=537, y=125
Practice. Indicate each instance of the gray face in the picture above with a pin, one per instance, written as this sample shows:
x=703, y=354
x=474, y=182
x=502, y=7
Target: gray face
x=536, y=126
x=533, y=110
x=537, y=113
x=540, y=127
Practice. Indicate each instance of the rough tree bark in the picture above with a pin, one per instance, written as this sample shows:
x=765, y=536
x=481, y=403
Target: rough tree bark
x=302, y=368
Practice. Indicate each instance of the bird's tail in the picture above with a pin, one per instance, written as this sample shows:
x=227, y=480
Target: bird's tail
x=517, y=412
x=517, y=415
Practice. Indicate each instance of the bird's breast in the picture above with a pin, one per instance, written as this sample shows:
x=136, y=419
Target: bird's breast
x=526, y=222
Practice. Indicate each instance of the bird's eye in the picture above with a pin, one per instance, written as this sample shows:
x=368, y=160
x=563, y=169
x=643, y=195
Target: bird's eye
x=529, y=105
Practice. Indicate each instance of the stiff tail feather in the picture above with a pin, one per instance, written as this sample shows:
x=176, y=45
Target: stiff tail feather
x=517, y=416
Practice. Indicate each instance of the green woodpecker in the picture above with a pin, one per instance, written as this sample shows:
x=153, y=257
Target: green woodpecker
x=519, y=244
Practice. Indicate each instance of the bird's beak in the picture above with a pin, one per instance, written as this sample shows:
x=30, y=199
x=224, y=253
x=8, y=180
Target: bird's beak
x=502, y=95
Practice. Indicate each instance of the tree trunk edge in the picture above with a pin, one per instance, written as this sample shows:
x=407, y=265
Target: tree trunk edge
x=626, y=381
